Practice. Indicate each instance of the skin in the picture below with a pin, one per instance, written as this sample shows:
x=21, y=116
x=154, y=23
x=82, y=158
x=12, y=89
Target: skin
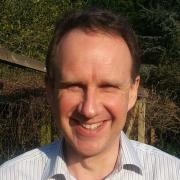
x=93, y=85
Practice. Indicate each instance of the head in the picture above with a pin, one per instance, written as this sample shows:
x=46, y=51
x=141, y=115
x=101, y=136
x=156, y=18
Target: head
x=93, y=20
x=92, y=79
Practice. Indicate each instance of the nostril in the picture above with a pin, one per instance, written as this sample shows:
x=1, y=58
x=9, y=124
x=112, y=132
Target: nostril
x=78, y=117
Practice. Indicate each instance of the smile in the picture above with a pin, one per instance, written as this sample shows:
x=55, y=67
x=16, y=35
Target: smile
x=90, y=130
x=92, y=126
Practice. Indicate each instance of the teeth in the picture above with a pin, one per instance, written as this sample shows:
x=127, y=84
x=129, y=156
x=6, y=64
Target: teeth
x=92, y=126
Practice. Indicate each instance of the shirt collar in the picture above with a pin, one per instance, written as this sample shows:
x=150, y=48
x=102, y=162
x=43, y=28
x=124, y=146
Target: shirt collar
x=128, y=156
x=128, y=159
x=56, y=165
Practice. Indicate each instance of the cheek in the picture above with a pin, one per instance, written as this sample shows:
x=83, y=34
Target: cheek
x=66, y=103
x=118, y=106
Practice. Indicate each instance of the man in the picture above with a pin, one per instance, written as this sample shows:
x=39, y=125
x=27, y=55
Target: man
x=92, y=81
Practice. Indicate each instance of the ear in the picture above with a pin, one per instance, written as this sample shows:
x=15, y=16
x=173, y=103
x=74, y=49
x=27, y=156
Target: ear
x=133, y=92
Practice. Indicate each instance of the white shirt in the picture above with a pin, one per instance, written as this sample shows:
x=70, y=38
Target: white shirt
x=138, y=161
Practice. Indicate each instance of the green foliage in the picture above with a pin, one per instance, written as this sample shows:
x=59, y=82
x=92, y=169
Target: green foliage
x=156, y=23
x=158, y=34
x=124, y=6
x=167, y=143
x=27, y=26
x=166, y=79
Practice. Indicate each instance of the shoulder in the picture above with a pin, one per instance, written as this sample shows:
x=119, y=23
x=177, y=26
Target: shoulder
x=30, y=161
x=152, y=151
x=156, y=160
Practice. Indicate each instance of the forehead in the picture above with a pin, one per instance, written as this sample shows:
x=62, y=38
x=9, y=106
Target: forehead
x=89, y=36
x=82, y=39
x=79, y=48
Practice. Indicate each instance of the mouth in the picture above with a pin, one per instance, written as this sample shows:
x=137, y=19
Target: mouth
x=92, y=126
x=87, y=129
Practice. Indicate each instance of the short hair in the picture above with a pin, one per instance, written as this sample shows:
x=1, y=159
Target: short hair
x=98, y=20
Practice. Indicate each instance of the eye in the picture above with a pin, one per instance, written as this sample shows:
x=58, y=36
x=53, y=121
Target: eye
x=71, y=86
x=109, y=87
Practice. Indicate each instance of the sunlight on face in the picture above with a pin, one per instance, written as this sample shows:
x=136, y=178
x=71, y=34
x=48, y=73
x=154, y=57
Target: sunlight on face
x=93, y=90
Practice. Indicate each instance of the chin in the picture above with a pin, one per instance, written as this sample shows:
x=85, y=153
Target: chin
x=89, y=149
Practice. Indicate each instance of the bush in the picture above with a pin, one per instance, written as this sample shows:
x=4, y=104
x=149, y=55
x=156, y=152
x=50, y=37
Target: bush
x=162, y=114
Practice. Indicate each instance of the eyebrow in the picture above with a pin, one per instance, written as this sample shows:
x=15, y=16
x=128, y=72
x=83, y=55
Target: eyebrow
x=63, y=84
x=66, y=83
x=113, y=83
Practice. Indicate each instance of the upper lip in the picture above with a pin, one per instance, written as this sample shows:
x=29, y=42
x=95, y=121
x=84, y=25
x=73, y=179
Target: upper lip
x=88, y=122
x=92, y=123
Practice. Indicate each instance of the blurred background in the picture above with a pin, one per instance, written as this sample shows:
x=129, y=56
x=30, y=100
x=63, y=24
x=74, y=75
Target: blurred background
x=26, y=27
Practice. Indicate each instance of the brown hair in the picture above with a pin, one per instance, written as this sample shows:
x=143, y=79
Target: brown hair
x=93, y=19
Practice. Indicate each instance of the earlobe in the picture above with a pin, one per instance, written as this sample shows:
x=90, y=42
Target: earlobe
x=133, y=92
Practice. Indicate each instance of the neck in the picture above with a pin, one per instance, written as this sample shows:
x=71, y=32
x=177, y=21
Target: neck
x=92, y=167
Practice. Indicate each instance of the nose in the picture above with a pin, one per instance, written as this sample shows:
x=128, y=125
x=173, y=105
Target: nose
x=88, y=106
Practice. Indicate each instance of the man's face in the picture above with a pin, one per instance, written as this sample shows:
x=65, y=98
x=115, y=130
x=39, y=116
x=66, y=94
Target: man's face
x=93, y=90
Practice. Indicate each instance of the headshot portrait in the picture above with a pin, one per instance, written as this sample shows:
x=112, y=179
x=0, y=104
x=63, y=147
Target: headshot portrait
x=93, y=78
